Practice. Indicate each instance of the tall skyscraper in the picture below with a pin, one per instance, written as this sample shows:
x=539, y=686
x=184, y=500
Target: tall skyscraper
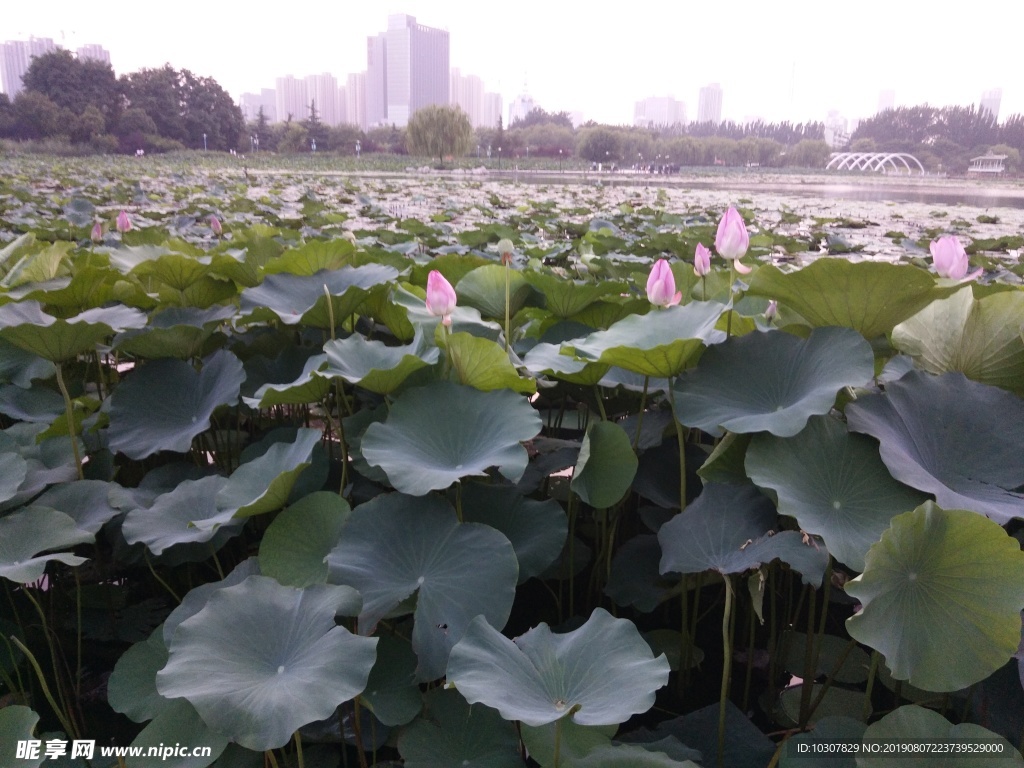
x=355, y=100
x=322, y=90
x=376, y=80
x=417, y=67
x=15, y=58
x=886, y=100
x=709, y=104
x=990, y=101
x=467, y=93
x=521, y=106
x=292, y=99
x=93, y=53
x=659, y=112
x=492, y=110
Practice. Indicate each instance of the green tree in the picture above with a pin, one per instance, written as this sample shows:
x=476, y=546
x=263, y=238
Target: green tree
x=36, y=117
x=437, y=131
x=599, y=144
x=76, y=84
x=295, y=139
x=88, y=125
x=315, y=127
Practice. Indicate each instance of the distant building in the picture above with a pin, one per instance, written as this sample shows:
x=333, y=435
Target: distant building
x=292, y=99
x=355, y=100
x=15, y=58
x=417, y=68
x=521, y=106
x=837, y=131
x=491, y=110
x=93, y=53
x=659, y=112
x=990, y=101
x=709, y=104
x=886, y=100
x=250, y=104
x=467, y=93
x=989, y=163
x=322, y=90
x=376, y=95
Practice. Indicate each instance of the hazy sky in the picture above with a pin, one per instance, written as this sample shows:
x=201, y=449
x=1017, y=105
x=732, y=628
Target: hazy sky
x=794, y=59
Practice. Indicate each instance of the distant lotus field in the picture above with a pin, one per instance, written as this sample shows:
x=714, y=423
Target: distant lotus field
x=443, y=470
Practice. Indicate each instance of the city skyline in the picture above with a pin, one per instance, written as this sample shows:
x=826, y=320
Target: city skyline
x=796, y=61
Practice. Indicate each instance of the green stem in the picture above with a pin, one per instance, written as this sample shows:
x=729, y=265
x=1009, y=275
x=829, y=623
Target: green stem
x=508, y=293
x=298, y=749
x=558, y=742
x=703, y=288
x=163, y=583
x=751, y=622
x=53, y=660
x=732, y=281
x=458, y=500
x=70, y=410
x=726, y=668
x=46, y=689
x=682, y=448
x=339, y=396
x=600, y=403
x=640, y=416
x=872, y=671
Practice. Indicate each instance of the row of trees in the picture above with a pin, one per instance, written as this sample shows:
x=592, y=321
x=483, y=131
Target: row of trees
x=84, y=102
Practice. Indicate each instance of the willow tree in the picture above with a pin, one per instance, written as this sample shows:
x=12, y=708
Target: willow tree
x=439, y=131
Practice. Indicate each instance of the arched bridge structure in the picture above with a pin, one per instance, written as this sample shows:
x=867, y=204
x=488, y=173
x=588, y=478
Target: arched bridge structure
x=874, y=161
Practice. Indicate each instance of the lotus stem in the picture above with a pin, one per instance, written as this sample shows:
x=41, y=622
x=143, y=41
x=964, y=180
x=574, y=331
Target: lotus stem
x=751, y=630
x=703, y=288
x=558, y=742
x=508, y=295
x=69, y=409
x=828, y=680
x=330, y=309
x=600, y=403
x=810, y=671
x=65, y=723
x=156, y=576
x=732, y=282
x=298, y=749
x=458, y=500
x=682, y=449
x=726, y=667
x=872, y=671
x=640, y=416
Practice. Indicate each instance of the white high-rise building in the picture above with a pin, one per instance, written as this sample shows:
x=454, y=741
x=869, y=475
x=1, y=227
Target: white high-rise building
x=492, y=110
x=990, y=101
x=521, y=106
x=93, y=52
x=355, y=100
x=292, y=99
x=15, y=58
x=467, y=93
x=322, y=90
x=377, y=80
x=709, y=104
x=417, y=68
x=659, y=112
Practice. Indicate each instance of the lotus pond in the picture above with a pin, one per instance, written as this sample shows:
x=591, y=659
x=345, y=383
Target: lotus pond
x=259, y=493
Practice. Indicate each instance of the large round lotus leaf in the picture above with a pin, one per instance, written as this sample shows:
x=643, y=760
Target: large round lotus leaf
x=635, y=579
x=375, y=366
x=837, y=660
x=294, y=547
x=453, y=734
x=261, y=660
x=484, y=365
x=175, y=332
x=484, y=288
x=301, y=298
x=603, y=672
x=131, y=688
x=196, y=598
x=47, y=460
x=36, y=404
x=549, y=360
x=187, y=515
x=17, y=724
x=942, y=593
x=951, y=437
x=263, y=484
x=437, y=434
x=308, y=387
x=565, y=298
x=728, y=529
x=312, y=257
x=87, y=502
x=178, y=723
x=31, y=530
x=633, y=755
x=536, y=529
x=13, y=470
x=39, y=266
x=20, y=367
x=772, y=382
x=827, y=733
x=911, y=725
x=979, y=338
x=464, y=318
x=661, y=343
x=26, y=325
x=165, y=403
x=395, y=545
x=575, y=741
x=833, y=483
x=870, y=297
x=835, y=701
x=392, y=692
x=606, y=466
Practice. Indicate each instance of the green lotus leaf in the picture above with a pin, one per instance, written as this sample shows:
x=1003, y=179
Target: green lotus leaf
x=464, y=319
x=129, y=257
x=165, y=403
x=726, y=462
x=310, y=386
x=602, y=673
x=548, y=359
x=661, y=343
x=196, y=598
x=392, y=693
x=484, y=365
x=830, y=649
x=31, y=530
x=13, y=469
x=375, y=366
x=437, y=434
x=913, y=724
x=263, y=484
x=295, y=545
x=928, y=428
x=941, y=573
x=870, y=297
x=635, y=579
x=772, y=382
x=260, y=660
x=745, y=745
x=574, y=741
x=175, y=270
x=453, y=734
x=18, y=723
x=728, y=529
x=38, y=266
x=174, y=332
x=301, y=298
x=395, y=545
x=633, y=755
x=20, y=367
x=27, y=326
x=834, y=701
x=48, y=460
x=565, y=298
x=189, y=514
x=484, y=288
x=87, y=502
x=312, y=257
x=606, y=466
x=833, y=483
x=35, y=405
x=179, y=723
x=828, y=732
x=536, y=529
x=979, y=338
x=131, y=688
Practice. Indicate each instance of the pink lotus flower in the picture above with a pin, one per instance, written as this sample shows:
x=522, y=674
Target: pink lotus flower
x=97, y=232
x=950, y=259
x=440, y=297
x=772, y=310
x=732, y=240
x=701, y=261
x=661, y=286
x=123, y=222
x=215, y=225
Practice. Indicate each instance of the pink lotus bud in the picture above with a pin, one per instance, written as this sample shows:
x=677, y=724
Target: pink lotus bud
x=215, y=225
x=123, y=222
x=97, y=232
x=661, y=286
x=440, y=297
x=701, y=261
x=732, y=240
x=772, y=310
x=950, y=259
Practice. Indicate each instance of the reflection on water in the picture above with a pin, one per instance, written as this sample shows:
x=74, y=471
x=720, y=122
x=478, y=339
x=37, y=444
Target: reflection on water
x=978, y=198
